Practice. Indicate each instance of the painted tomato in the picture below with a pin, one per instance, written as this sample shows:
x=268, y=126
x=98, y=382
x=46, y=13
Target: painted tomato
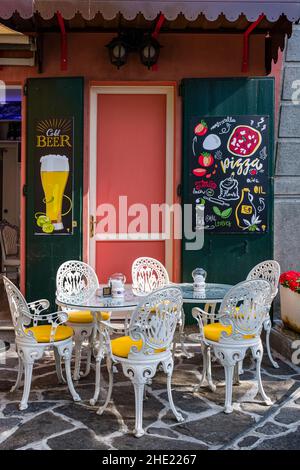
x=199, y=171
x=201, y=128
x=244, y=141
x=206, y=159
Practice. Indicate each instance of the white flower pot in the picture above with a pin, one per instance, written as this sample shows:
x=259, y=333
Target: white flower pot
x=290, y=308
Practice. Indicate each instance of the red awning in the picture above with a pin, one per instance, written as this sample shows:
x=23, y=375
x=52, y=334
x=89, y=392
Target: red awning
x=232, y=9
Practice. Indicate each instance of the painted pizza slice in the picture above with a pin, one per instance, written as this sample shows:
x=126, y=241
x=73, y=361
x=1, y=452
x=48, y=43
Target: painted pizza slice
x=244, y=141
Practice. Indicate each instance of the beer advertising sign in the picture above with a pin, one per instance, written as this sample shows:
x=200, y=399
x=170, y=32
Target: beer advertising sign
x=228, y=172
x=53, y=174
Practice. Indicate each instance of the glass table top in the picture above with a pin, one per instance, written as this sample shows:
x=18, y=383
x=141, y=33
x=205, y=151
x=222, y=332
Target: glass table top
x=214, y=293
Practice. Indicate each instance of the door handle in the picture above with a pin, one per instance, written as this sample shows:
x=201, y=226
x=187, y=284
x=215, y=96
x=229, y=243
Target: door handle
x=92, y=226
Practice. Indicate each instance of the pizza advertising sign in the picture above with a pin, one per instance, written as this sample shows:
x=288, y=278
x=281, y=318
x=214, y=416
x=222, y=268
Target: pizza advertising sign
x=228, y=172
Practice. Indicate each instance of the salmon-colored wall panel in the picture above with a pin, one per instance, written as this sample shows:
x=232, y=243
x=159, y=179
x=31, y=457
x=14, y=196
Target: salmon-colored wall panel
x=277, y=73
x=182, y=55
x=131, y=148
x=122, y=254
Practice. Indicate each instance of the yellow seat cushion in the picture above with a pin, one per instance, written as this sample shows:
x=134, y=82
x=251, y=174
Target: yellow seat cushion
x=213, y=332
x=104, y=316
x=121, y=346
x=85, y=316
x=78, y=316
x=42, y=333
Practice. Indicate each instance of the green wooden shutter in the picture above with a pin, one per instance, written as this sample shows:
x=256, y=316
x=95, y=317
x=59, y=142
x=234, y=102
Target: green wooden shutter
x=50, y=99
x=227, y=257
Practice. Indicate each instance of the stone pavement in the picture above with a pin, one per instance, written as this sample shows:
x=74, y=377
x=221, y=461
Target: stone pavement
x=53, y=421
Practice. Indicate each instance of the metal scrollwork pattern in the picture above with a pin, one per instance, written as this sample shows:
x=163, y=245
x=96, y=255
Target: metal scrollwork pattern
x=154, y=320
x=148, y=274
x=244, y=309
x=19, y=310
x=76, y=282
x=268, y=271
x=26, y=315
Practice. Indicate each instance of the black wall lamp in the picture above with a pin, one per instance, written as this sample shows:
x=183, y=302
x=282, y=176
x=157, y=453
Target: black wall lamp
x=118, y=50
x=134, y=41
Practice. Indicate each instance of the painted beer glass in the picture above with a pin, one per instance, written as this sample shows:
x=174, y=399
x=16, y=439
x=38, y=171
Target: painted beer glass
x=54, y=176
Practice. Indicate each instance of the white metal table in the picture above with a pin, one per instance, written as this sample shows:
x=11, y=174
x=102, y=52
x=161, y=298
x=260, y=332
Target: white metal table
x=213, y=294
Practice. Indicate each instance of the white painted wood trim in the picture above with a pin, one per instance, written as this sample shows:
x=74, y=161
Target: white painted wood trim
x=16, y=61
x=167, y=90
x=130, y=237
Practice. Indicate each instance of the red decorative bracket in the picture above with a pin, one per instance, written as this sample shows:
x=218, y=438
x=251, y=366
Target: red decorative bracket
x=158, y=26
x=160, y=22
x=247, y=33
x=63, y=42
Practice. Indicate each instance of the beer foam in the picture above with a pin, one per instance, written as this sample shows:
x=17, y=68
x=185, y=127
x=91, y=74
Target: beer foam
x=54, y=163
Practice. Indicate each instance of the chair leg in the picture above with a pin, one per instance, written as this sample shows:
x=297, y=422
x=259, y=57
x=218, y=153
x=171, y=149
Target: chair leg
x=139, y=395
x=77, y=351
x=209, y=375
x=257, y=353
x=58, y=367
x=93, y=400
x=109, y=365
x=139, y=376
x=99, y=357
x=228, y=379
x=28, y=366
x=181, y=335
x=65, y=351
x=19, y=377
x=204, y=368
x=88, y=361
x=168, y=369
x=267, y=327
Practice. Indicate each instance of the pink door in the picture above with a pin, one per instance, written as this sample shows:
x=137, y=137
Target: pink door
x=130, y=176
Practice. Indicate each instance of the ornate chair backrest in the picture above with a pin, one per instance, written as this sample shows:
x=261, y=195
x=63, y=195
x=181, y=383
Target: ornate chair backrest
x=148, y=274
x=244, y=308
x=75, y=282
x=154, y=320
x=20, y=312
x=269, y=271
x=9, y=239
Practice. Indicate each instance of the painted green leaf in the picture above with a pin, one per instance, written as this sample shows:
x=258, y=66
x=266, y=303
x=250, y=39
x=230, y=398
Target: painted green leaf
x=226, y=213
x=216, y=210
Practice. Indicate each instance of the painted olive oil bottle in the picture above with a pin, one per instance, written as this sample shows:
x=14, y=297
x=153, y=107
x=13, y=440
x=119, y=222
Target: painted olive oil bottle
x=245, y=212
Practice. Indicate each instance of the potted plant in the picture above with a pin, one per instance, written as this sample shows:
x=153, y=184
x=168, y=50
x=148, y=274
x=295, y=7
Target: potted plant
x=290, y=299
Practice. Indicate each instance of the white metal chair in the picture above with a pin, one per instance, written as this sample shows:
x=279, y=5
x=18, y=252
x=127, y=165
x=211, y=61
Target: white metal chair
x=9, y=239
x=242, y=314
x=149, y=274
x=269, y=271
x=149, y=344
x=32, y=338
x=76, y=282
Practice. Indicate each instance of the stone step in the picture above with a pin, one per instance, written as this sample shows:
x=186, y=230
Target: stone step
x=285, y=341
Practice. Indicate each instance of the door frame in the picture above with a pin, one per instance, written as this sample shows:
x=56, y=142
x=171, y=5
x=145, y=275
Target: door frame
x=165, y=88
x=22, y=175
